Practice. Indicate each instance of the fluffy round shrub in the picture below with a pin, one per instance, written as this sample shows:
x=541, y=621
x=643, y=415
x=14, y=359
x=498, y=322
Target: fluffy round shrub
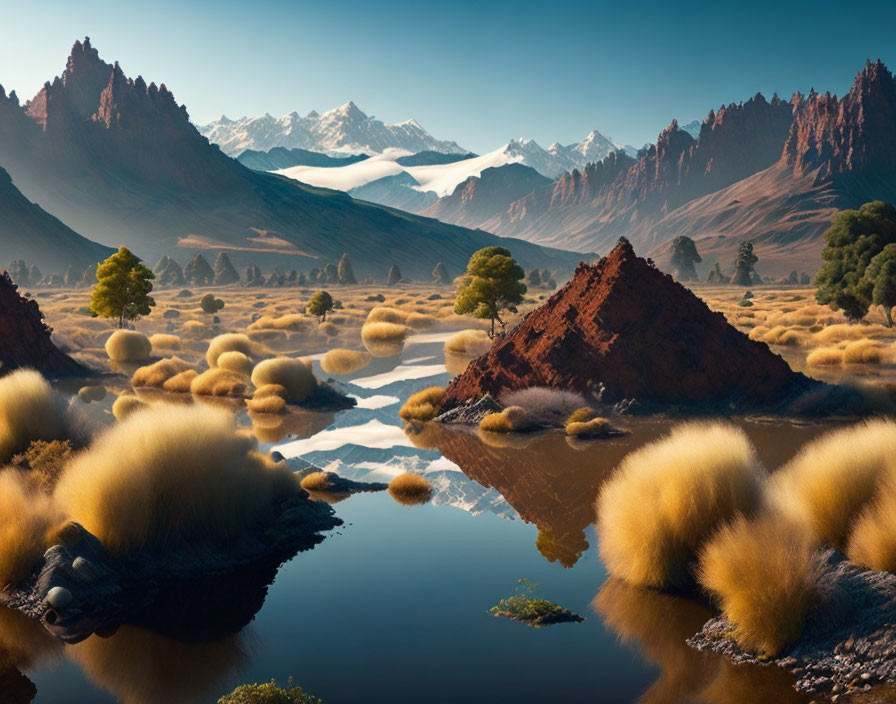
x=833, y=478
x=544, y=405
x=88, y=394
x=172, y=474
x=667, y=498
x=235, y=362
x=423, y=405
x=159, y=372
x=872, y=540
x=210, y=304
x=294, y=375
x=180, y=383
x=468, y=343
x=29, y=410
x=162, y=341
x=340, y=361
x=410, y=489
x=316, y=481
x=511, y=419
x=267, y=399
x=125, y=405
x=594, y=428
x=232, y=342
x=128, y=346
x=764, y=573
x=382, y=314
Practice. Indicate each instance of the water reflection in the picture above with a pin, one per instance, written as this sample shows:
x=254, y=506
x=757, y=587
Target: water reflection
x=657, y=625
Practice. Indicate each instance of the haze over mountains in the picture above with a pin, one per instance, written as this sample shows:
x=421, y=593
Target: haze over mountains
x=118, y=160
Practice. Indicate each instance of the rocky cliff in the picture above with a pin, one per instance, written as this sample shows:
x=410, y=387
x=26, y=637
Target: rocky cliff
x=621, y=330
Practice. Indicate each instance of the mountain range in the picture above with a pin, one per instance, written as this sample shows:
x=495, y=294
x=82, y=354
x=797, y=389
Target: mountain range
x=345, y=129
x=118, y=160
x=770, y=171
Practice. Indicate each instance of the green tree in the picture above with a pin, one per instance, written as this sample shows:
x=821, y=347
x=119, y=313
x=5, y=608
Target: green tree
x=854, y=238
x=684, y=256
x=493, y=283
x=880, y=275
x=210, y=304
x=743, y=265
x=320, y=304
x=123, y=288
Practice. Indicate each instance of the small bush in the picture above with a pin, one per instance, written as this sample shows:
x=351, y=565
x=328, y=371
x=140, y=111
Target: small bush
x=220, y=382
x=294, y=375
x=825, y=357
x=594, y=428
x=269, y=693
x=382, y=314
x=764, y=573
x=383, y=331
x=668, y=497
x=863, y=352
x=267, y=399
x=468, y=343
x=27, y=520
x=543, y=405
x=232, y=342
x=210, y=304
x=29, y=410
x=328, y=329
x=581, y=415
x=410, y=489
x=833, y=478
x=43, y=462
x=511, y=419
x=423, y=405
x=872, y=540
x=420, y=321
x=125, y=405
x=316, y=481
x=162, y=342
x=172, y=474
x=340, y=361
x=234, y=361
x=128, y=346
x=180, y=383
x=158, y=373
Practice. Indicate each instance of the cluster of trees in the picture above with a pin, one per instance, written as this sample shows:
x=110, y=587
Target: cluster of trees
x=540, y=278
x=859, y=269
x=685, y=256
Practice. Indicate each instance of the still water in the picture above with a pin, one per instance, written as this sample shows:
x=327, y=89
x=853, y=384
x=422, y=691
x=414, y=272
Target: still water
x=393, y=606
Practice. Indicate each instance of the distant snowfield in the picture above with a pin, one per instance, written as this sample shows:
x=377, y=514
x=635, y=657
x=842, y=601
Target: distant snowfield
x=441, y=178
x=372, y=434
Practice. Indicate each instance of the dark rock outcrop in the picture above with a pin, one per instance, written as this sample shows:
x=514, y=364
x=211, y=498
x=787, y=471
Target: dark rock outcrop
x=623, y=332
x=25, y=338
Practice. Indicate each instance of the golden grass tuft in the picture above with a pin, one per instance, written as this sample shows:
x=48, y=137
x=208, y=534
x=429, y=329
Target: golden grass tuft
x=511, y=419
x=383, y=332
x=220, y=382
x=468, y=343
x=27, y=520
x=872, y=540
x=581, y=415
x=667, y=498
x=594, y=428
x=234, y=361
x=410, y=489
x=328, y=329
x=125, y=405
x=128, y=346
x=341, y=361
x=294, y=375
x=163, y=342
x=782, y=335
x=420, y=321
x=158, y=373
x=180, y=383
x=29, y=410
x=423, y=405
x=267, y=399
x=833, y=478
x=863, y=352
x=316, y=481
x=845, y=331
x=172, y=474
x=825, y=357
x=295, y=322
x=764, y=573
x=195, y=329
x=383, y=314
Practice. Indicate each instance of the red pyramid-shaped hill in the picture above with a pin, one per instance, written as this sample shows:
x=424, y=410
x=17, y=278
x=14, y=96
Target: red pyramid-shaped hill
x=25, y=339
x=623, y=330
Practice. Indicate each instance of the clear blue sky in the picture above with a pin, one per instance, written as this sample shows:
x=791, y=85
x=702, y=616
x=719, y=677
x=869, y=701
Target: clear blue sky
x=476, y=72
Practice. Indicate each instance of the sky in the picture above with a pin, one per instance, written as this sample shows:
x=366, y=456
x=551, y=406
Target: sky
x=476, y=71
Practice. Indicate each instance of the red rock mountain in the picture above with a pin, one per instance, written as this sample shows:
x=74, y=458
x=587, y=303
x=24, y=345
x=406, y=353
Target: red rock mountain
x=25, y=339
x=771, y=171
x=118, y=160
x=623, y=326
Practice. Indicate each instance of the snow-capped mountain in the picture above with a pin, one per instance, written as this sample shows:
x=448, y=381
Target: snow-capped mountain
x=692, y=128
x=345, y=129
